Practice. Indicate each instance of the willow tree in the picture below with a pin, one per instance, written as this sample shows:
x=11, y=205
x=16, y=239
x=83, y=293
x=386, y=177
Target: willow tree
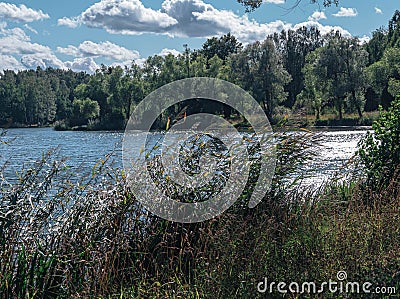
x=338, y=72
x=259, y=69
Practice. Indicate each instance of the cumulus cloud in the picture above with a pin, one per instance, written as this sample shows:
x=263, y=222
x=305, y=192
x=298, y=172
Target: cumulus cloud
x=44, y=60
x=126, y=17
x=8, y=62
x=15, y=43
x=12, y=45
x=346, y=12
x=180, y=18
x=104, y=49
x=378, y=10
x=16, y=32
x=165, y=52
x=364, y=39
x=86, y=64
x=324, y=29
x=194, y=18
x=71, y=23
x=317, y=15
x=20, y=13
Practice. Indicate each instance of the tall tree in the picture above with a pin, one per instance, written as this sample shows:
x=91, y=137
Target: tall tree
x=384, y=76
x=294, y=47
x=223, y=47
x=338, y=68
x=259, y=69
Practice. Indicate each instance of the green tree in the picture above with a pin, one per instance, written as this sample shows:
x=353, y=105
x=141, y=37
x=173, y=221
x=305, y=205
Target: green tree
x=294, y=47
x=223, y=47
x=312, y=96
x=377, y=45
x=339, y=71
x=384, y=75
x=83, y=111
x=259, y=69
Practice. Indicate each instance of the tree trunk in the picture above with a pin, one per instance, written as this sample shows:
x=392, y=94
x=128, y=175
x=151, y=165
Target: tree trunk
x=340, y=109
x=353, y=94
x=359, y=111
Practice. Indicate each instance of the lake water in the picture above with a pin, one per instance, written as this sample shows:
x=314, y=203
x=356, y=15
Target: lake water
x=85, y=149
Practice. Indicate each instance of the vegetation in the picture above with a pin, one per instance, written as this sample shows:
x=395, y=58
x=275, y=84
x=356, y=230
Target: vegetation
x=290, y=73
x=380, y=152
x=62, y=236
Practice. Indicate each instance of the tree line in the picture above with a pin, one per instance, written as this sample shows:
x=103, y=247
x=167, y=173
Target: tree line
x=288, y=71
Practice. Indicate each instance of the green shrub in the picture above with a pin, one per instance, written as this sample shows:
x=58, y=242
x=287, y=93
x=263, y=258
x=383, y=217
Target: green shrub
x=380, y=151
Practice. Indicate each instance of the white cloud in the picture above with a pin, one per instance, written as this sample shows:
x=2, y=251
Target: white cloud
x=86, y=64
x=30, y=29
x=346, y=12
x=364, y=39
x=44, y=60
x=8, y=62
x=324, y=29
x=12, y=45
x=69, y=50
x=126, y=17
x=165, y=52
x=15, y=43
x=274, y=1
x=378, y=10
x=104, y=49
x=317, y=15
x=16, y=32
x=181, y=18
x=71, y=23
x=20, y=13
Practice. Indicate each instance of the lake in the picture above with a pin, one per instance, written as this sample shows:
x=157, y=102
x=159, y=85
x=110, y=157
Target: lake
x=85, y=149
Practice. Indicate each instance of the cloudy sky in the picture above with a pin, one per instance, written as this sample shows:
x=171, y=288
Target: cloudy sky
x=81, y=35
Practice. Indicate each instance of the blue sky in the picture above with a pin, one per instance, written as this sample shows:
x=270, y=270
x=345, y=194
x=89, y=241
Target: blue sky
x=81, y=35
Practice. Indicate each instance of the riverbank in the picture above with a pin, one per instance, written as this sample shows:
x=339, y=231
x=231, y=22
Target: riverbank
x=295, y=121
x=94, y=239
x=106, y=246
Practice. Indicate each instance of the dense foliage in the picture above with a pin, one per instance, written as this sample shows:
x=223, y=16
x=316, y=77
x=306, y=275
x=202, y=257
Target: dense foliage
x=380, y=152
x=286, y=73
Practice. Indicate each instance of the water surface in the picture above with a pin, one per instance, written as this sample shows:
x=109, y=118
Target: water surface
x=85, y=149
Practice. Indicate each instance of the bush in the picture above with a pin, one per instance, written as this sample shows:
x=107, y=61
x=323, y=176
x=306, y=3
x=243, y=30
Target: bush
x=380, y=151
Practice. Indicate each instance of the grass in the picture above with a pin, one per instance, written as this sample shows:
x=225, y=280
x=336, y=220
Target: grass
x=92, y=239
x=348, y=119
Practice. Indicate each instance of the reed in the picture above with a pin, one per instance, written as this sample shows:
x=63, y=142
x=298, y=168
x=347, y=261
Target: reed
x=64, y=236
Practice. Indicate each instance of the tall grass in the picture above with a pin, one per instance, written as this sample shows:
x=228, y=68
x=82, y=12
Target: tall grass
x=63, y=238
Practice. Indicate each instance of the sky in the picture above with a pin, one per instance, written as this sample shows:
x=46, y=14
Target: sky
x=81, y=35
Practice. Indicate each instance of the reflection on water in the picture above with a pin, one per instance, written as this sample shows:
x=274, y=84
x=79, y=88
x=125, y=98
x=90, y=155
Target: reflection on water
x=85, y=149
x=337, y=147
